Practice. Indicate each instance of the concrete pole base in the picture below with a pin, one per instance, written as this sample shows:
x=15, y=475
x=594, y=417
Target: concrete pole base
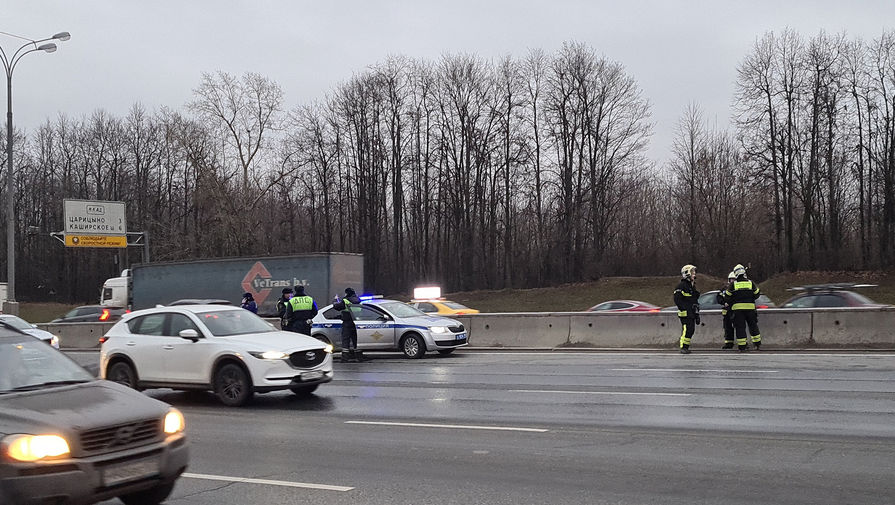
x=11, y=308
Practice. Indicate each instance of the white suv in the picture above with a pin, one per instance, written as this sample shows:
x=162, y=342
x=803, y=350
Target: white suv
x=228, y=350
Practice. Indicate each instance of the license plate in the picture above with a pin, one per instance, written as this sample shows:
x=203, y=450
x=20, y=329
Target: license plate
x=307, y=376
x=461, y=336
x=130, y=471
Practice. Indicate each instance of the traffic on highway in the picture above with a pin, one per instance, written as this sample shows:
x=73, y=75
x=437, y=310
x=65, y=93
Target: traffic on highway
x=560, y=426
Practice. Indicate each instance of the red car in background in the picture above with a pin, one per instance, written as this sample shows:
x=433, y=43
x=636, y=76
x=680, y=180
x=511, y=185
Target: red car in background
x=624, y=306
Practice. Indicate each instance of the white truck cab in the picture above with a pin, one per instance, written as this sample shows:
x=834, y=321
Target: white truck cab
x=115, y=292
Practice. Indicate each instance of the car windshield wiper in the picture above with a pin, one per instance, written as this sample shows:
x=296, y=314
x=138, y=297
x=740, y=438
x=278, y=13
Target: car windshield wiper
x=32, y=387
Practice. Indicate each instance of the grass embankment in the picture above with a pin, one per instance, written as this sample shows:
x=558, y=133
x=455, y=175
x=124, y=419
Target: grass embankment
x=43, y=312
x=658, y=291
x=582, y=296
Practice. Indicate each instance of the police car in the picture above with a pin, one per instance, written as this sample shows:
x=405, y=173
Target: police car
x=389, y=325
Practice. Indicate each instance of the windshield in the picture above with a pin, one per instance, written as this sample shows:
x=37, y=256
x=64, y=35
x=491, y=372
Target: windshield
x=31, y=364
x=401, y=309
x=224, y=323
x=16, y=322
x=862, y=299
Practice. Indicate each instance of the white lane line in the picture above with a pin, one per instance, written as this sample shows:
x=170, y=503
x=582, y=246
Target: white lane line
x=689, y=370
x=450, y=426
x=596, y=392
x=283, y=483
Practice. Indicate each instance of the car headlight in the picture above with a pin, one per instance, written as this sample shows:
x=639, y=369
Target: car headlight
x=270, y=355
x=438, y=329
x=34, y=447
x=54, y=341
x=174, y=422
x=328, y=348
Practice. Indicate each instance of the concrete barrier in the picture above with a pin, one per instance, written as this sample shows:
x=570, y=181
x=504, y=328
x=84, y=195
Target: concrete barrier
x=856, y=328
x=780, y=329
x=523, y=329
x=77, y=335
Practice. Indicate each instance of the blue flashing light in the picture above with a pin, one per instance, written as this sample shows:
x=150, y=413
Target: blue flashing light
x=365, y=298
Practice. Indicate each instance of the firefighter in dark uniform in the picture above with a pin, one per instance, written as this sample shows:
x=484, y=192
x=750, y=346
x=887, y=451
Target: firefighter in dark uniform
x=282, y=302
x=726, y=314
x=742, y=295
x=350, y=308
x=686, y=297
x=300, y=310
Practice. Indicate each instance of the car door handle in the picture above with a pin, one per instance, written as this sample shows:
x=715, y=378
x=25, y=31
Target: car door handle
x=167, y=347
x=131, y=343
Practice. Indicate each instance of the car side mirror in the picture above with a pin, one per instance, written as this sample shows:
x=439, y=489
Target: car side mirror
x=34, y=326
x=189, y=334
x=383, y=318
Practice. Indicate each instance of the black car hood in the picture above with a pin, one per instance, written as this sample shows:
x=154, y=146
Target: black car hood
x=77, y=407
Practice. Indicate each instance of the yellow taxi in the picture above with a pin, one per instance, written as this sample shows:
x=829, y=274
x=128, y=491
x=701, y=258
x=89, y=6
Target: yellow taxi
x=428, y=299
x=442, y=307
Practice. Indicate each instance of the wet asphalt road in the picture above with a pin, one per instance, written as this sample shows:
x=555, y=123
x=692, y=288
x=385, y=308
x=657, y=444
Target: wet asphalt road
x=565, y=428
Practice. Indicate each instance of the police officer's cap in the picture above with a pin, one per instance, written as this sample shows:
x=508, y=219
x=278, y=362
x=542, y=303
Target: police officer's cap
x=349, y=291
x=287, y=290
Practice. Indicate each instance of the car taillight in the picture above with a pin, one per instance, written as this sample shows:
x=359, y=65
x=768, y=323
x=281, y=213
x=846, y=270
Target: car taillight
x=655, y=310
x=104, y=315
x=761, y=306
x=103, y=340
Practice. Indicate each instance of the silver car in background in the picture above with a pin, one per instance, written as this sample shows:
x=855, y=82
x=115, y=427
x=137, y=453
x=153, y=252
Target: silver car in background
x=391, y=325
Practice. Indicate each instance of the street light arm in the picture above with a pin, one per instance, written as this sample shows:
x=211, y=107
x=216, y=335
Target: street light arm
x=18, y=58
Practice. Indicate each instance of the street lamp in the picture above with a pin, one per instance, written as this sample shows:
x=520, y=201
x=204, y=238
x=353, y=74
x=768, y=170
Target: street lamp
x=9, y=64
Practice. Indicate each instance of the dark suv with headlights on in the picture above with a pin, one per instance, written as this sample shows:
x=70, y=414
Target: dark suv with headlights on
x=66, y=437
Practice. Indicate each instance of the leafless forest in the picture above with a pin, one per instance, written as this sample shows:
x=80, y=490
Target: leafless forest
x=521, y=172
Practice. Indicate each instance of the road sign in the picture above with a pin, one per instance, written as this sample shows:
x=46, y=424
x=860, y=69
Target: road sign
x=95, y=241
x=92, y=218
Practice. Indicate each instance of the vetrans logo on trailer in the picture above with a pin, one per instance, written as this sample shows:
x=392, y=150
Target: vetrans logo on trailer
x=260, y=282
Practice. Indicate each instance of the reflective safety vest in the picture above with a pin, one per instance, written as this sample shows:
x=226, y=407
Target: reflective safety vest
x=299, y=303
x=743, y=295
x=351, y=308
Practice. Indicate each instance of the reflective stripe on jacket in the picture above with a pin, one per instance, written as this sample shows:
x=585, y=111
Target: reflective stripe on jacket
x=742, y=295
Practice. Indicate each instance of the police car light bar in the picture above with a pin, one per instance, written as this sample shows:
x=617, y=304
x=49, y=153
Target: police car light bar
x=364, y=298
x=427, y=293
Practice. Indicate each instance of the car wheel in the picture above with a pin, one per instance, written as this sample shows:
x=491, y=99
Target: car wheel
x=445, y=352
x=152, y=496
x=232, y=385
x=413, y=346
x=304, y=390
x=122, y=373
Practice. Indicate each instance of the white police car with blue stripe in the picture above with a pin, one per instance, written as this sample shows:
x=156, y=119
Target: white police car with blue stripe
x=391, y=325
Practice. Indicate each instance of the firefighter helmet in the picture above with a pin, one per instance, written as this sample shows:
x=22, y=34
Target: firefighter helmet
x=688, y=271
x=739, y=270
x=731, y=276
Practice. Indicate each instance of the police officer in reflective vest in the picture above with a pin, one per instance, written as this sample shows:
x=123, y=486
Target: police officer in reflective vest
x=686, y=297
x=742, y=295
x=300, y=310
x=726, y=314
x=350, y=309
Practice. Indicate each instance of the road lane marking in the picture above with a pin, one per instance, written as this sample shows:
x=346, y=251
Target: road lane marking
x=689, y=370
x=596, y=392
x=268, y=482
x=450, y=426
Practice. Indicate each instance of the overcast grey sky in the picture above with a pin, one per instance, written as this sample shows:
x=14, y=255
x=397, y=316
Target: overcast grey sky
x=153, y=52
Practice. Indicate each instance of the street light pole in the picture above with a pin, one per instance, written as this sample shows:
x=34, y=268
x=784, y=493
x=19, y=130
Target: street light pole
x=9, y=64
